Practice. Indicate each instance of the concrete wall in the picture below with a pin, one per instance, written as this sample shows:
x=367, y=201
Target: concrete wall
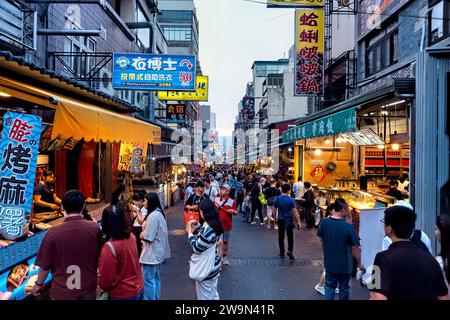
x=410, y=33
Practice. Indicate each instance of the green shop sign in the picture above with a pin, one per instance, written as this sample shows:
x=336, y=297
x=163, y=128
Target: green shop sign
x=340, y=122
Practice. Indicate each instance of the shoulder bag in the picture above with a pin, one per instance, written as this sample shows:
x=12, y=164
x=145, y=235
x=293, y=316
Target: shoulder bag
x=202, y=265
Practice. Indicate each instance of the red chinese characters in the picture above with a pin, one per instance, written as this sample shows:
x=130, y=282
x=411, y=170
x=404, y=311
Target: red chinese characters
x=319, y=173
x=309, y=51
x=19, y=130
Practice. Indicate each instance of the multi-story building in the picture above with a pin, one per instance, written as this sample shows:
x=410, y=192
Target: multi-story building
x=402, y=88
x=178, y=20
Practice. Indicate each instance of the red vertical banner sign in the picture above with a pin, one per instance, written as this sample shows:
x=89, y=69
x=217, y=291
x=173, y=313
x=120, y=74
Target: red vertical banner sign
x=309, y=51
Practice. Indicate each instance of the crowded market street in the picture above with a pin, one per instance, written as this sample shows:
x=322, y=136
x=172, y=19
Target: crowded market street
x=255, y=271
x=262, y=152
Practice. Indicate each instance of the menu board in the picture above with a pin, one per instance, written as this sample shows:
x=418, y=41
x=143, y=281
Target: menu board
x=365, y=137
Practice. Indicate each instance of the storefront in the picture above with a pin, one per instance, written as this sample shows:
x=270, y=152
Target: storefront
x=352, y=151
x=79, y=141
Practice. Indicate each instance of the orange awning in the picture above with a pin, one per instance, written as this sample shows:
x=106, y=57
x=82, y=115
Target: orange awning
x=80, y=121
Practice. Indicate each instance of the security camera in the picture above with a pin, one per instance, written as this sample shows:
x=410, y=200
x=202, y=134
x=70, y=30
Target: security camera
x=52, y=100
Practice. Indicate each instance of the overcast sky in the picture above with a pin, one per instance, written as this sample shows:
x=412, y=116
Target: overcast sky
x=234, y=33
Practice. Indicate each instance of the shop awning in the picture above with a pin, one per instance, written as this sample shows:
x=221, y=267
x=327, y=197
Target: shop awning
x=80, y=121
x=340, y=122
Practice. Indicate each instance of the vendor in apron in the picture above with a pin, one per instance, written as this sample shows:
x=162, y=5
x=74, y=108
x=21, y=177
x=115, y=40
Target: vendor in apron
x=44, y=197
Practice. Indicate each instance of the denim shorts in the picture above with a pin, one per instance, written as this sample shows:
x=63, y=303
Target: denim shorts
x=226, y=236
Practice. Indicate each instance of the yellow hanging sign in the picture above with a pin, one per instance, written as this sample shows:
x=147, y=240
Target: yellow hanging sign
x=200, y=94
x=295, y=3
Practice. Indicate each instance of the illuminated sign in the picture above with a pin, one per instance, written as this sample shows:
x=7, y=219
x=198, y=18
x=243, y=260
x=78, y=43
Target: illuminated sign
x=309, y=50
x=18, y=159
x=154, y=72
x=200, y=94
x=294, y=3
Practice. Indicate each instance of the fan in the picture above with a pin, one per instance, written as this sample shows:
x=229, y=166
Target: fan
x=331, y=166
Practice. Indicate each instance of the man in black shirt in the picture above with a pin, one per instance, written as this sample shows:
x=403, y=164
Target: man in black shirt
x=193, y=201
x=44, y=197
x=405, y=271
x=393, y=190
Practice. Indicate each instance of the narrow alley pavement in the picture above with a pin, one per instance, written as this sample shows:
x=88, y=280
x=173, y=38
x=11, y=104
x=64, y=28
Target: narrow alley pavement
x=255, y=271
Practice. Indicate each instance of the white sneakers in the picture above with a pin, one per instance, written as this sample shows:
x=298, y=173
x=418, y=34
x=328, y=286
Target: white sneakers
x=321, y=289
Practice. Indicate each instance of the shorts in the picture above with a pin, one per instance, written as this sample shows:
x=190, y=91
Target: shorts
x=270, y=209
x=226, y=236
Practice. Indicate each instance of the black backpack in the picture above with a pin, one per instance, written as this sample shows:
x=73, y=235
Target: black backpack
x=416, y=239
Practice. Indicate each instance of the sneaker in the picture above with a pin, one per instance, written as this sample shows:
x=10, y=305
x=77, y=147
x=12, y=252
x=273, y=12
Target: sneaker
x=225, y=261
x=265, y=219
x=291, y=256
x=320, y=289
x=253, y=222
x=336, y=291
x=276, y=227
x=262, y=223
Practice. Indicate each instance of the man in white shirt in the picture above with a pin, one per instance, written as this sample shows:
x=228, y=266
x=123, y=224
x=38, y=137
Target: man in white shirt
x=299, y=191
x=210, y=192
x=403, y=183
x=213, y=182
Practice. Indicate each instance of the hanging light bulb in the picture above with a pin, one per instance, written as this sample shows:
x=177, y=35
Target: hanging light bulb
x=381, y=147
x=395, y=147
x=327, y=141
x=318, y=152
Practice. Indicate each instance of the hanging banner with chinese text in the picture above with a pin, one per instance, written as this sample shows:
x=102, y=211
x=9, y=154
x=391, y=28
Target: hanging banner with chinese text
x=154, y=72
x=340, y=122
x=201, y=93
x=176, y=113
x=294, y=3
x=309, y=51
x=18, y=150
x=132, y=157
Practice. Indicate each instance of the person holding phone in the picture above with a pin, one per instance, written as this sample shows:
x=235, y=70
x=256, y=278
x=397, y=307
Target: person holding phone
x=201, y=238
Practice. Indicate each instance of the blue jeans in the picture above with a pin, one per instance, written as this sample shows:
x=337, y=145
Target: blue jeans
x=139, y=296
x=152, y=281
x=332, y=281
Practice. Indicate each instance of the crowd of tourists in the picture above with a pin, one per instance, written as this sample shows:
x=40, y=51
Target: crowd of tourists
x=120, y=257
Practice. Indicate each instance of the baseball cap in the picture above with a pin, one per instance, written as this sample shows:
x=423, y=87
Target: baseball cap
x=225, y=186
x=199, y=183
x=219, y=176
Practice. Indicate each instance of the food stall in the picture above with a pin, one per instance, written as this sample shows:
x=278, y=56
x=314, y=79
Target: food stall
x=353, y=153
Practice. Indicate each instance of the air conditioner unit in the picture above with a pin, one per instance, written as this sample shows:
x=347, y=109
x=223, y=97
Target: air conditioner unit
x=105, y=83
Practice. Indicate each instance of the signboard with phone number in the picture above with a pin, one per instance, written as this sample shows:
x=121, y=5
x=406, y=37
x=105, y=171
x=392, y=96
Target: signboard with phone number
x=154, y=72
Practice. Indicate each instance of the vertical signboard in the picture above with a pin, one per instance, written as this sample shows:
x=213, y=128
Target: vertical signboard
x=18, y=158
x=248, y=111
x=176, y=113
x=132, y=157
x=309, y=51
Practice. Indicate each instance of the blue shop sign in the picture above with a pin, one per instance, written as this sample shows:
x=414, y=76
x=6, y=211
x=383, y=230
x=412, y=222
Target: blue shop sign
x=154, y=72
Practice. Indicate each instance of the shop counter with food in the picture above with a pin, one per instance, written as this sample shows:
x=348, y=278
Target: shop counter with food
x=18, y=273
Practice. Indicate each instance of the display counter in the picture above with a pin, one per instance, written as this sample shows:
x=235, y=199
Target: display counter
x=18, y=273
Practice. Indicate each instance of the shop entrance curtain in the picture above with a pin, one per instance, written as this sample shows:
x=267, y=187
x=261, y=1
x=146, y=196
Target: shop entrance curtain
x=79, y=121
